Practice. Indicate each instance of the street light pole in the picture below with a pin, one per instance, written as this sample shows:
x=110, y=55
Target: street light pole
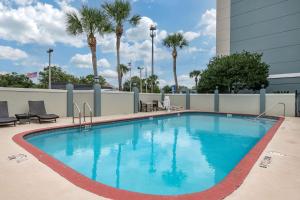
x=141, y=82
x=129, y=66
x=152, y=35
x=49, y=51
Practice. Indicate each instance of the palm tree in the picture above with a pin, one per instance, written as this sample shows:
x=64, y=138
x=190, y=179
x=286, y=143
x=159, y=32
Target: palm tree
x=195, y=74
x=119, y=13
x=89, y=21
x=123, y=70
x=174, y=41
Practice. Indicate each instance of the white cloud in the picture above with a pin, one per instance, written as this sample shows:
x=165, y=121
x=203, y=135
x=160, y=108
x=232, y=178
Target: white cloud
x=24, y=2
x=9, y=53
x=40, y=23
x=85, y=61
x=189, y=35
x=141, y=31
x=103, y=62
x=109, y=74
x=185, y=80
x=208, y=23
x=3, y=72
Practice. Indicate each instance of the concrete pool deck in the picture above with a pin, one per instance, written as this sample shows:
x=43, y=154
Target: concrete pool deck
x=32, y=179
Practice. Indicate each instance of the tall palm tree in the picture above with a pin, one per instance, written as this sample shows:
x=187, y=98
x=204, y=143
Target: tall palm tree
x=89, y=21
x=123, y=70
x=195, y=74
x=119, y=13
x=175, y=41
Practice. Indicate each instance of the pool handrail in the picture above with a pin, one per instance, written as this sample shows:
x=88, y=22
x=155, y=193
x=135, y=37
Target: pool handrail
x=273, y=106
x=79, y=113
x=90, y=109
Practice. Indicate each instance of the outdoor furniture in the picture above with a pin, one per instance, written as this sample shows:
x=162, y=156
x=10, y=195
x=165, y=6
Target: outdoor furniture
x=37, y=109
x=143, y=107
x=4, y=116
x=155, y=105
x=149, y=106
x=160, y=106
x=23, y=118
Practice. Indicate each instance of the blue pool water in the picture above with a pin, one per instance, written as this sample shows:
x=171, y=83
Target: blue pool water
x=166, y=155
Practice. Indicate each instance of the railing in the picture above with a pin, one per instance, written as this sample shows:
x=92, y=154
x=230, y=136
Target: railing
x=90, y=109
x=79, y=113
x=263, y=113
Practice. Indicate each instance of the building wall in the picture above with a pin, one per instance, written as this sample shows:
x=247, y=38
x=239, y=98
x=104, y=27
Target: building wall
x=223, y=27
x=271, y=27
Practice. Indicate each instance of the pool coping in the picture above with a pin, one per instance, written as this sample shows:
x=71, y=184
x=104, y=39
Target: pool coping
x=219, y=191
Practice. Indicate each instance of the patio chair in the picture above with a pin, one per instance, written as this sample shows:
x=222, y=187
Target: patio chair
x=143, y=107
x=160, y=106
x=4, y=116
x=37, y=109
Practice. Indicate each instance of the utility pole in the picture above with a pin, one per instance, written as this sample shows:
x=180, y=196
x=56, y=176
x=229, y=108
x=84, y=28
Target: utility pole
x=141, y=82
x=152, y=35
x=129, y=66
x=49, y=51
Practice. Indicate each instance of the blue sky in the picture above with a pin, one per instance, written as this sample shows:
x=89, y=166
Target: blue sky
x=29, y=27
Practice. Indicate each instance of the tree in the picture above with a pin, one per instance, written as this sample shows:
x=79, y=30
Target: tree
x=123, y=70
x=57, y=76
x=119, y=13
x=235, y=72
x=195, y=74
x=167, y=89
x=15, y=80
x=135, y=82
x=89, y=80
x=175, y=41
x=152, y=82
x=90, y=21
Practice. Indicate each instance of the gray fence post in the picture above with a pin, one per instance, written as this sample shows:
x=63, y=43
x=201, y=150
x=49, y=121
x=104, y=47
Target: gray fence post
x=97, y=100
x=136, y=100
x=162, y=96
x=262, y=100
x=216, y=99
x=70, y=108
x=187, y=100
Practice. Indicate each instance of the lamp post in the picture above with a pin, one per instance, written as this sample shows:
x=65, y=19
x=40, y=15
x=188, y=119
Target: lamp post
x=49, y=51
x=141, y=83
x=152, y=35
x=146, y=77
x=129, y=67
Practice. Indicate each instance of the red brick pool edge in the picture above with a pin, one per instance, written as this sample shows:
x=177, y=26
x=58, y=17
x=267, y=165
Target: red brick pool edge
x=221, y=190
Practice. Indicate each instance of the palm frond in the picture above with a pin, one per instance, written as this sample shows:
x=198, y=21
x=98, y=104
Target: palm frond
x=118, y=11
x=135, y=20
x=74, y=26
x=175, y=40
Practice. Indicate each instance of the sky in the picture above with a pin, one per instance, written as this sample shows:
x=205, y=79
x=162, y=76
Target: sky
x=29, y=27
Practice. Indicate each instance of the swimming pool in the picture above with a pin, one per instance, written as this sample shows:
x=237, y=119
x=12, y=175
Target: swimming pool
x=164, y=155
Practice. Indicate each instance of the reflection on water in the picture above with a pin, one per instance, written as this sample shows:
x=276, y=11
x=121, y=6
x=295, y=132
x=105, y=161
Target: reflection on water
x=165, y=155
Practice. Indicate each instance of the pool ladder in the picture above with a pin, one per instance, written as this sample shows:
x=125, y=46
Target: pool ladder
x=263, y=113
x=85, y=104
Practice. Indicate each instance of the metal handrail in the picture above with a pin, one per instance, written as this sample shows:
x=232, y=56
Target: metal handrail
x=79, y=113
x=91, y=112
x=263, y=113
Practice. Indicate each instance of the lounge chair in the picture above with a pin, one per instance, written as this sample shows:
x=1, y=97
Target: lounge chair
x=4, y=116
x=169, y=107
x=143, y=107
x=37, y=109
